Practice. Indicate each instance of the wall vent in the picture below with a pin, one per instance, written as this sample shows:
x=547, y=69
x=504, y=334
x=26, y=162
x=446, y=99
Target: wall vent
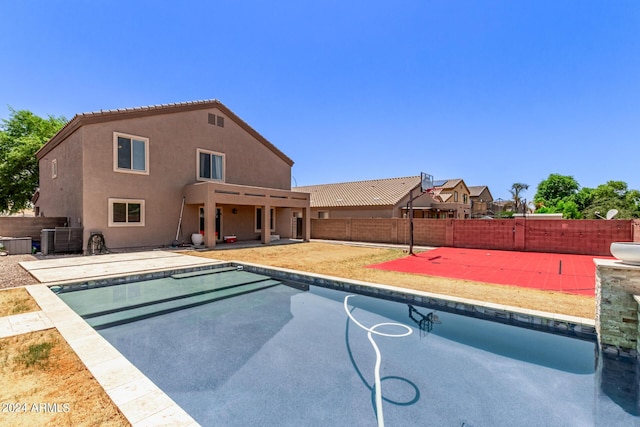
x=216, y=120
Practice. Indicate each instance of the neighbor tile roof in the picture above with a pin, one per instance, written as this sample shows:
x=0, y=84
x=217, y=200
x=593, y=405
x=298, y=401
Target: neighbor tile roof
x=447, y=183
x=376, y=192
x=476, y=190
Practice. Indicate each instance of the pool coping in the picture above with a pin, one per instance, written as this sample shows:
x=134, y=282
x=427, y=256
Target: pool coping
x=144, y=404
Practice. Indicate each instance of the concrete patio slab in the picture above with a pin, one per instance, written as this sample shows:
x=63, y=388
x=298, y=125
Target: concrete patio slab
x=75, y=269
x=23, y=323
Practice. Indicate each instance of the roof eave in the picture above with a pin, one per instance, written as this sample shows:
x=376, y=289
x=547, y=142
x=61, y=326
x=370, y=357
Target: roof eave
x=130, y=113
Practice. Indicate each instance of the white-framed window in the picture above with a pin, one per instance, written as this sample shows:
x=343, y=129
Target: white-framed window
x=465, y=198
x=455, y=196
x=130, y=153
x=211, y=165
x=258, y=221
x=54, y=168
x=126, y=212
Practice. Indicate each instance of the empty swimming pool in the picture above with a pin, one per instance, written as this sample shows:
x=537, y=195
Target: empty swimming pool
x=237, y=348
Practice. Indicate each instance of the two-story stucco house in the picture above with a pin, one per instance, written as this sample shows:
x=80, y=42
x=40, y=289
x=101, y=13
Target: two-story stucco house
x=129, y=173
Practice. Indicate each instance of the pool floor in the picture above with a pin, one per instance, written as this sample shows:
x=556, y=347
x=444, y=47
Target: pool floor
x=290, y=357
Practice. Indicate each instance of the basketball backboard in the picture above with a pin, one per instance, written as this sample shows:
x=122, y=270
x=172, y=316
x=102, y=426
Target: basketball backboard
x=426, y=182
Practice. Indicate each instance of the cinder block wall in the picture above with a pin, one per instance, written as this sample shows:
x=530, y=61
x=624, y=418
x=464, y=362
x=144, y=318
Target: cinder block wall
x=487, y=234
x=587, y=237
x=28, y=226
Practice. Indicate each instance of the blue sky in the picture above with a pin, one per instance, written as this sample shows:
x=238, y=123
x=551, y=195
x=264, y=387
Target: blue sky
x=494, y=92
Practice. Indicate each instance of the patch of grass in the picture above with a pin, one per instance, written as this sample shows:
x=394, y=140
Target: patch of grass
x=16, y=301
x=20, y=307
x=36, y=354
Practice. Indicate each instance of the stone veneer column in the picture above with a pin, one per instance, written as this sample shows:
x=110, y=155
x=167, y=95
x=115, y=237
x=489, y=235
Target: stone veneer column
x=616, y=307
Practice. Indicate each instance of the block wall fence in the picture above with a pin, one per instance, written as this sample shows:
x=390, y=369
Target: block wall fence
x=17, y=226
x=586, y=237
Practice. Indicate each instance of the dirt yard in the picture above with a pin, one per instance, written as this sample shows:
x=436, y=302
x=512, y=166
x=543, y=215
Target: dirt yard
x=351, y=261
x=45, y=383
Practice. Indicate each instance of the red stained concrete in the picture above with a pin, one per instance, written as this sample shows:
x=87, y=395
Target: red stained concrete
x=526, y=269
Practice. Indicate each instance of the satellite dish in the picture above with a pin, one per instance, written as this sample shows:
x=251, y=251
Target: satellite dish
x=611, y=213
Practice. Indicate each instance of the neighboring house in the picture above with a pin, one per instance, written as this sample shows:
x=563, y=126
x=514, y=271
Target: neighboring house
x=388, y=198
x=453, y=198
x=131, y=174
x=481, y=201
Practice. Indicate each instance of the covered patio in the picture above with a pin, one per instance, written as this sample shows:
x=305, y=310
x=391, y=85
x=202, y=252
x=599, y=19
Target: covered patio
x=252, y=209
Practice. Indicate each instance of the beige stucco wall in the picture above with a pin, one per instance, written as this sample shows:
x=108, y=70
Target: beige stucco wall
x=173, y=142
x=63, y=196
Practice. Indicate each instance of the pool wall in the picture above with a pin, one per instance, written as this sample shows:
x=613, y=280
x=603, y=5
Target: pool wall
x=572, y=326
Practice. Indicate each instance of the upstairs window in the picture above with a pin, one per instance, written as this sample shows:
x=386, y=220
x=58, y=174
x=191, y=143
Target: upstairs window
x=54, y=168
x=210, y=166
x=131, y=153
x=465, y=198
x=455, y=196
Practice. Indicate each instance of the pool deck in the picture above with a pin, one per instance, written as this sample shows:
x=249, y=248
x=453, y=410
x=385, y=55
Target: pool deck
x=84, y=268
x=137, y=397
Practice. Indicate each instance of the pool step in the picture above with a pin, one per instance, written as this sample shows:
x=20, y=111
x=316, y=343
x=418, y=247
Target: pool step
x=110, y=299
x=203, y=272
x=183, y=292
x=139, y=312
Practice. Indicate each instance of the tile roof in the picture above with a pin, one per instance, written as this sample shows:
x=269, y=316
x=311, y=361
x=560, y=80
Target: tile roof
x=447, y=183
x=475, y=190
x=376, y=192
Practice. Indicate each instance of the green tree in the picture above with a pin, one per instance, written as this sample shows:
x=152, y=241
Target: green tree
x=568, y=209
x=516, y=189
x=20, y=137
x=613, y=195
x=556, y=188
x=582, y=198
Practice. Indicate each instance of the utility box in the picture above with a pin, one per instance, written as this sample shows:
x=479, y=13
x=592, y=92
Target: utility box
x=68, y=239
x=17, y=245
x=47, y=238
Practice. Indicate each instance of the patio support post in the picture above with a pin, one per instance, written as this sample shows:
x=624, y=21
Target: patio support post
x=210, y=221
x=306, y=224
x=266, y=224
